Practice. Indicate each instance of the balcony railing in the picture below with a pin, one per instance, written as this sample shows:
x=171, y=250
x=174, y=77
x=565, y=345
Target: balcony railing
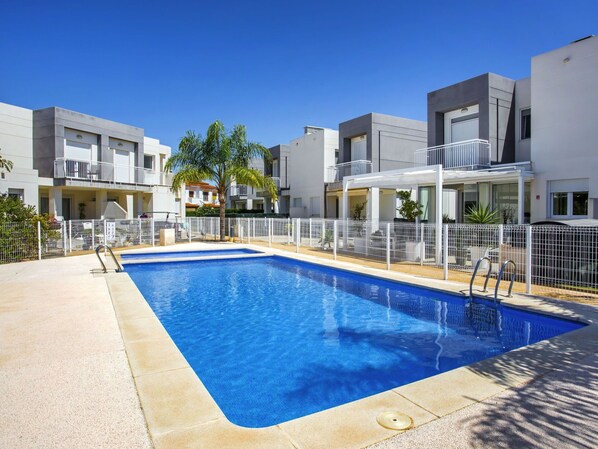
x=238, y=190
x=466, y=155
x=337, y=172
x=108, y=172
x=264, y=192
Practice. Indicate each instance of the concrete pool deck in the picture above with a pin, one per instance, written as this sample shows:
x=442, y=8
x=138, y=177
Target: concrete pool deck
x=68, y=382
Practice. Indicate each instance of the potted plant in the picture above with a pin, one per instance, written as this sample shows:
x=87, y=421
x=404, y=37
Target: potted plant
x=410, y=210
x=482, y=215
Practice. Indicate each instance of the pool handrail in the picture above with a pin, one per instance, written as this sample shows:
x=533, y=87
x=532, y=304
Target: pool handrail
x=502, y=269
x=475, y=272
x=118, y=268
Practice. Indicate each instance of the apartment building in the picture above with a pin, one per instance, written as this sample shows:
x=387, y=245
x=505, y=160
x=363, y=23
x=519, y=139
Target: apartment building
x=372, y=143
x=483, y=150
x=73, y=165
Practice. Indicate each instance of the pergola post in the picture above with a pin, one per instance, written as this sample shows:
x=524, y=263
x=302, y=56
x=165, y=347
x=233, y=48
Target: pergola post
x=438, y=213
x=520, y=198
x=345, y=213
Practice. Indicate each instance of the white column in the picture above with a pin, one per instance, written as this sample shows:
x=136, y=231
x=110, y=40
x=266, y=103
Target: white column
x=345, y=212
x=388, y=246
x=101, y=200
x=520, y=198
x=129, y=199
x=445, y=252
x=528, y=260
x=55, y=202
x=438, y=213
x=373, y=208
x=138, y=204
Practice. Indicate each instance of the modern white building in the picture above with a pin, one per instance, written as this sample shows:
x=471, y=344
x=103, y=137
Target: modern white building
x=311, y=156
x=483, y=150
x=74, y=166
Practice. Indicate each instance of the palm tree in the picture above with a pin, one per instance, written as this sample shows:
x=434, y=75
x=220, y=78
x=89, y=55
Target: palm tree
x=221, y=157
x=5, y=164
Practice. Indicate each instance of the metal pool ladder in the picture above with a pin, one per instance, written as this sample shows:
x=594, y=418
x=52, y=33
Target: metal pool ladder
x=118, y=269
x=475, y=271
x=499, y=278
x=502, y=269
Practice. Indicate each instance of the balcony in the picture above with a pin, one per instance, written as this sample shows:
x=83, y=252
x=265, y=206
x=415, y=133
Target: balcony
x=264, y=192
x=108, y=172
x=238, y=191
x=337, y=172
x=466, y=155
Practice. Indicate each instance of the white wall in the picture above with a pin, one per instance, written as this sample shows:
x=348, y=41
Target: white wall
x=16, y=143
x=564, y=94
x=311, y=155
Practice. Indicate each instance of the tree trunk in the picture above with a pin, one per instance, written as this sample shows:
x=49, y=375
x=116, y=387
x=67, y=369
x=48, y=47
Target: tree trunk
x=222, y=199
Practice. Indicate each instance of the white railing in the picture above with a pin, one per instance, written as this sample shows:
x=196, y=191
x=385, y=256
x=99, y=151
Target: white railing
x=238, y=190
x=337, y=172
x=193, y=200
x=466, y=155
x=265, y=192
x=547, y=258
x=108, y=172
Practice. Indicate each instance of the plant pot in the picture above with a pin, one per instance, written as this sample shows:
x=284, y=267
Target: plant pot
x=414, y=250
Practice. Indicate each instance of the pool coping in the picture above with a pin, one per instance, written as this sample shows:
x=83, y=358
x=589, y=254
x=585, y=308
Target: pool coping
x=180, y=412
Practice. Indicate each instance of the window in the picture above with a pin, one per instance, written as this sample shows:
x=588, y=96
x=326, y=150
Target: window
x=569, y=198
x=526, y=123
x=206, y=196
x=17, y=193
x=297, y=202
x=191, y=193
x=148, y=162
x=570, y=204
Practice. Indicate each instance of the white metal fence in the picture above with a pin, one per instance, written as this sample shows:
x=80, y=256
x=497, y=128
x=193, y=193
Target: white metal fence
x=561, y=257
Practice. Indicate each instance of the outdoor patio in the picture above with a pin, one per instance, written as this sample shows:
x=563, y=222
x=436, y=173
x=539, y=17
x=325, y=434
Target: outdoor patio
x=66, y=379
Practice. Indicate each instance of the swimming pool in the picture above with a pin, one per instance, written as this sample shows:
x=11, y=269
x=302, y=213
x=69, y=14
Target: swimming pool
x=274, y=339
x=175, y=254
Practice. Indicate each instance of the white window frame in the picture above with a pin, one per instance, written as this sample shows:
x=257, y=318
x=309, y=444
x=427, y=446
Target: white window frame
x=569, y=206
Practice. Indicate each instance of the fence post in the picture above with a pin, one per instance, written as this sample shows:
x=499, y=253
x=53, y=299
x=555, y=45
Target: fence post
x=289, y=231
x=70, y=236
x=421, y=245
x=39, y=241
x=105, y=237
x=445, y=251
x=64, y=237
x=501, y=233
x=253, y=227
x=93, y=234
x=188, y=228
x=528, y=260
x=388, y=246
x=270, y=233
x=297, y=234
x=335, y=235
x=153, y=232
x=310, y=230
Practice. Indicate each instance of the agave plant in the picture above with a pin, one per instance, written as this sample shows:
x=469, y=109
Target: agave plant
x=481, y=214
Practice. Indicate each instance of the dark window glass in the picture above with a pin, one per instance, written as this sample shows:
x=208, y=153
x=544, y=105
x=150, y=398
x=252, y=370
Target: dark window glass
x=580, y=203
x=559, y=203
x=148, y=162
x=526, y=123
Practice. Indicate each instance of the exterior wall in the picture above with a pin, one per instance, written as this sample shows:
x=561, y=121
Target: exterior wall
x=523, y=100
x=310, y=156
x=564, y=94
x=16, y=143
x=49, y=134
x=495, y=96
x=391, y=141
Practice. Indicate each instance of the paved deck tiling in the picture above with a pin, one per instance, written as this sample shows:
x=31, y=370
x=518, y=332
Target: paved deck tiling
x=66, y=381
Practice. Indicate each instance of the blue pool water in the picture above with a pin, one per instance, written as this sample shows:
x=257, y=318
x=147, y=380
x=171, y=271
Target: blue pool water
x=174, y=254
x=274, y=339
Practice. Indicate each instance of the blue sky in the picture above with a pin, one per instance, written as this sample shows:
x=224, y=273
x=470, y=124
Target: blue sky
x=274, y=66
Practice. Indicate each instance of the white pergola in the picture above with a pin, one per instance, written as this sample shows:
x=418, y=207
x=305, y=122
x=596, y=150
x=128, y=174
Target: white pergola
x=435, y=175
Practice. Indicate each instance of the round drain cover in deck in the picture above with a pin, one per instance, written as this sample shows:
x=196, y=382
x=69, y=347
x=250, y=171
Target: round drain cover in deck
x=395, y=420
